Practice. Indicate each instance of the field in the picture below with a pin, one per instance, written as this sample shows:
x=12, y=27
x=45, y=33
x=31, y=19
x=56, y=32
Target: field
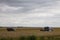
x=29, y=34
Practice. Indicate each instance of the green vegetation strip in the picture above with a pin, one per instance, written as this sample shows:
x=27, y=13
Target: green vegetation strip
x=34, y=38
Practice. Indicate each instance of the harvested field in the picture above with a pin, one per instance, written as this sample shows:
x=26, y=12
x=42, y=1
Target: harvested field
x=29, y=32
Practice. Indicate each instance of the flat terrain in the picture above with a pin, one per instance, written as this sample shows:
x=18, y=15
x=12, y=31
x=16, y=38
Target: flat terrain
x=27, y=32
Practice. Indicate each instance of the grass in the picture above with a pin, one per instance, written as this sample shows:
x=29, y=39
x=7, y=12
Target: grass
x=57, y=37
x=34, y=38
x=6, y=38
x=22, y=38
x=41, y=37
x=31, y=37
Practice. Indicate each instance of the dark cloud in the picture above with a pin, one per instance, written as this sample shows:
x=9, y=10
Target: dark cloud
x=27, y=4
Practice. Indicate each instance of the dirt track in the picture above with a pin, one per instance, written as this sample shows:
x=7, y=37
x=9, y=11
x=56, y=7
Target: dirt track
x=27, y=31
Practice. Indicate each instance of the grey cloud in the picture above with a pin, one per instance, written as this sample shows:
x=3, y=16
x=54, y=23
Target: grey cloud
x=27, y=5
x=22, y=16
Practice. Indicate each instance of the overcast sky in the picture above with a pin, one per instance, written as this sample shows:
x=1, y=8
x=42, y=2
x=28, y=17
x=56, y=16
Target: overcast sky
x=34, y=13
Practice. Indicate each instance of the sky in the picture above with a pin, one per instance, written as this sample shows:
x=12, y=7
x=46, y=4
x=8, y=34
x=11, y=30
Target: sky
x=30, y=13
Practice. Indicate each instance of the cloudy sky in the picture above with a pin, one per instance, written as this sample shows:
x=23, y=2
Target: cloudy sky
x=32, y=13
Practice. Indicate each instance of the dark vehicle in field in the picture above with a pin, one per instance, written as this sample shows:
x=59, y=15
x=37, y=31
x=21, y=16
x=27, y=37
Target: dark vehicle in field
x=10, y=29
x=46, y=29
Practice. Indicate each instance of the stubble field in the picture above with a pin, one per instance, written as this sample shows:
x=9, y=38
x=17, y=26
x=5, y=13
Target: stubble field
x=25, y=32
